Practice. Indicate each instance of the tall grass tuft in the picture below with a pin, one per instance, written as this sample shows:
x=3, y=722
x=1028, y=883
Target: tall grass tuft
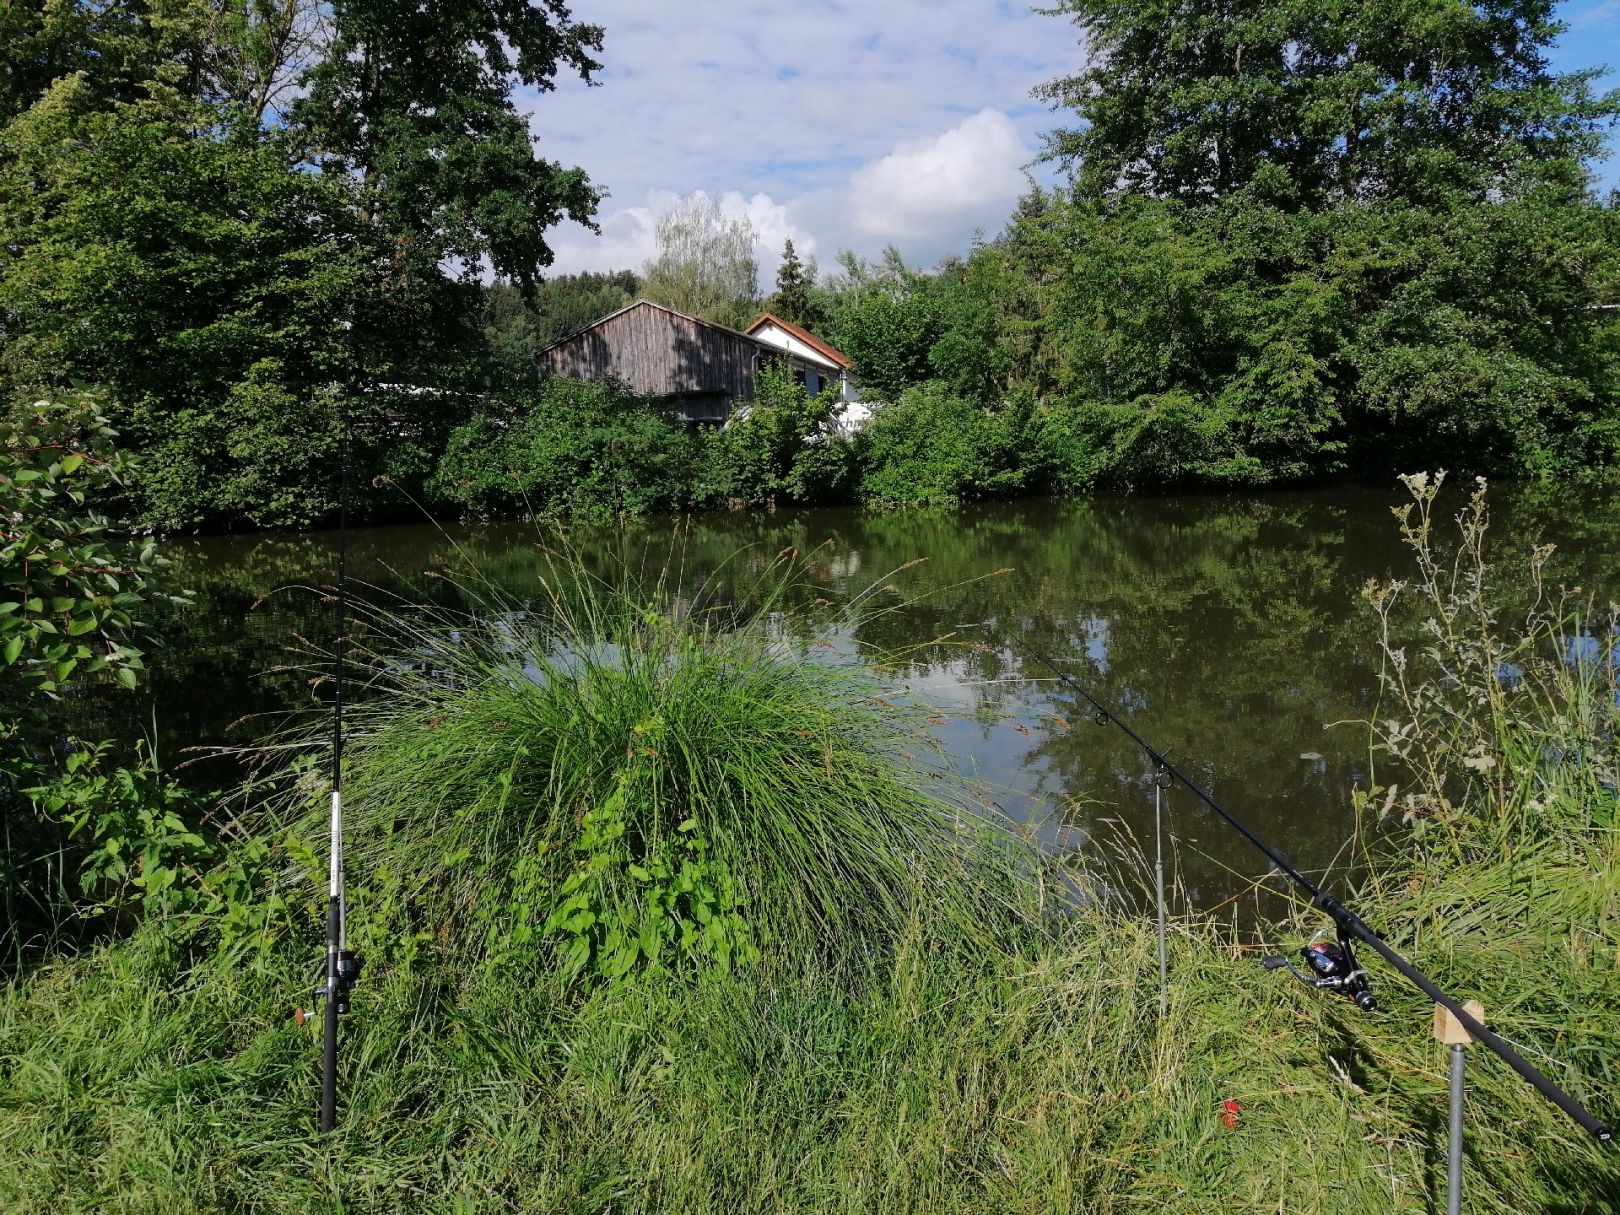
x=614, y=777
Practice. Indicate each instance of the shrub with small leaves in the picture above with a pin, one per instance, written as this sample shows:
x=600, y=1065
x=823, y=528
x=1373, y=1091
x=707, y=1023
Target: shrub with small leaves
x=71, y=592
x=69, y=588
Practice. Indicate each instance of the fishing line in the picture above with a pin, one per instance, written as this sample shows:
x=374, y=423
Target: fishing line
x=1343, y=973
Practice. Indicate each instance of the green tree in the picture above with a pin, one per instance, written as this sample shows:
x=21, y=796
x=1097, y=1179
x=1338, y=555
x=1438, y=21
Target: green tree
x=705, y=264
x=794, y=300
x=886, y=321
x=415, y=103
x=1317, y=100
x=1316, y=235
x=164, y=235
x=198, y=273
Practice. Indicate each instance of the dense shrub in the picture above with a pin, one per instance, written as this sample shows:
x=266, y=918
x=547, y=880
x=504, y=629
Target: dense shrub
x=587, y=449
x=785, y=445
x=934, y=446
x=72, y=592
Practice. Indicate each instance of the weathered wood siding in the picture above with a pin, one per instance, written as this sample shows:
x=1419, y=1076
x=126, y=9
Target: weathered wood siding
x=660, y=353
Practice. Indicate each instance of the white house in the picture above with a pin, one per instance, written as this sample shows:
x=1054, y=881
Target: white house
x=820, y=364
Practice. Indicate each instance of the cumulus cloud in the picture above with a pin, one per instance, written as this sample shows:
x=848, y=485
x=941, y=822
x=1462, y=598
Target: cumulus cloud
x=805, y=117
x=927, y=189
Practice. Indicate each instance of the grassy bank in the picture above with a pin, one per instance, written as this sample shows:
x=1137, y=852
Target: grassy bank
x=896, y=1011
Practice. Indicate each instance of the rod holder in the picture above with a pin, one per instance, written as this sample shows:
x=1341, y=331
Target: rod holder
x=1450, y=1032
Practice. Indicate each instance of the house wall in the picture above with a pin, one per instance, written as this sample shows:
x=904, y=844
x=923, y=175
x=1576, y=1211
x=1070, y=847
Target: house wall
x=800, y=350
x=825, y=370
x=663, y=354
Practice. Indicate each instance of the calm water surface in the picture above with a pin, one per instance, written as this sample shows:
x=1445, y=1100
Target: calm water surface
x=1228, y=629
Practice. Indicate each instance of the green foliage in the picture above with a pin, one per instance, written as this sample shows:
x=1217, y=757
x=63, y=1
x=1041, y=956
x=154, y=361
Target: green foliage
x=1320, y=101
x=167, y=238
x=70, y=589
x=934, y=446
x=785, y=445
x=570, y=448
x=795, y=300
x=885, y=323
x=136, y=831
x=71, y=594
x=681, y=903
x=416, y=103
x=226, y=385
x=1368, y=336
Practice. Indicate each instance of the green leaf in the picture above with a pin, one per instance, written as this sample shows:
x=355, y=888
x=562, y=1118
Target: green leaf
x=13, y=647
x=125, y=676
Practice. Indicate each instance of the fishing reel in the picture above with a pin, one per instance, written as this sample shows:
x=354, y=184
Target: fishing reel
x=348, y=974
x=1333, y=967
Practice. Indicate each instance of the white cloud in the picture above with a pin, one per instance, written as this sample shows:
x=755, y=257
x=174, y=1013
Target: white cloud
x=929, y=189
x=775, y=109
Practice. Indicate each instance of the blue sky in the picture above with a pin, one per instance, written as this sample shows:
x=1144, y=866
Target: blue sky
x=842, y=124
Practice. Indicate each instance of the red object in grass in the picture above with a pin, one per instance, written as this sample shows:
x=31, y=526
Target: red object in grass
x=1230, y=1110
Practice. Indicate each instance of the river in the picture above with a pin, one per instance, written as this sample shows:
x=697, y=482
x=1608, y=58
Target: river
x=1227, y=629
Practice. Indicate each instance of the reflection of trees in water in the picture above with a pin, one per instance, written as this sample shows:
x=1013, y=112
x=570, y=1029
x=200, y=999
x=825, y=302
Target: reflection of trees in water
x=1230, y=627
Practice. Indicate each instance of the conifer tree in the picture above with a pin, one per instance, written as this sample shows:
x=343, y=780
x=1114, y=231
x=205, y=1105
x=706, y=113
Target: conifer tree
x=793, y=282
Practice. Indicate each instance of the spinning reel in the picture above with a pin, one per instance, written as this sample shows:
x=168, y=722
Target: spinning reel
x=348, y=974
x=1333, y=967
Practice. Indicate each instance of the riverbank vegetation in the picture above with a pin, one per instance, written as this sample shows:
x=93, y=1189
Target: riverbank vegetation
x=1375, y=248
x=665, y=907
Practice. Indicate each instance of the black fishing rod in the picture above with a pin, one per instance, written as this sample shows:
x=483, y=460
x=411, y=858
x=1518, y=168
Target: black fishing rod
x=342, y=964
x=1343, y=973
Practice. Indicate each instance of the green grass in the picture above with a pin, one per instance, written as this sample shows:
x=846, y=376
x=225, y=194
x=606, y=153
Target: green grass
x=919, y=1026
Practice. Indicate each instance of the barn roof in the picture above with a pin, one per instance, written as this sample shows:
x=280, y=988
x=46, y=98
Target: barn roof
x=805, y=336
x=696, y=320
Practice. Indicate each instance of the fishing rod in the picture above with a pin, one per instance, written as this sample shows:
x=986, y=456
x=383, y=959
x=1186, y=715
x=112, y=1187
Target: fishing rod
x=342, y=964
x=1336, y=967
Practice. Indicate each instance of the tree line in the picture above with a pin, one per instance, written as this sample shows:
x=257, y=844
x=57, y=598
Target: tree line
x=1289, y=242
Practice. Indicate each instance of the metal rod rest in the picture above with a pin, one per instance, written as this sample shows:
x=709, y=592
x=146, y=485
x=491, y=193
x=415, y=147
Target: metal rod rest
x=1454, y=1171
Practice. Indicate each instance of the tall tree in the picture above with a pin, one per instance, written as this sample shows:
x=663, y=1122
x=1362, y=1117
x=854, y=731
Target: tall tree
x=795, y=282
x=1315, y=100
x=705, y=264
x=1315, y=234
x=161, y=233
x=415, y=101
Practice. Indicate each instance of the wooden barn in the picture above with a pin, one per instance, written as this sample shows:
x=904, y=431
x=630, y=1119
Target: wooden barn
x=701, y=368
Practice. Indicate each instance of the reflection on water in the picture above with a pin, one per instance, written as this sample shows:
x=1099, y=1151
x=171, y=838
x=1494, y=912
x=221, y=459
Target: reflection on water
x=1227, y=628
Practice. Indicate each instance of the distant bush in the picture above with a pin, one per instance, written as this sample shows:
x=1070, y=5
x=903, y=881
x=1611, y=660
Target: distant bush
x=586, y=449
x=934, y=446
